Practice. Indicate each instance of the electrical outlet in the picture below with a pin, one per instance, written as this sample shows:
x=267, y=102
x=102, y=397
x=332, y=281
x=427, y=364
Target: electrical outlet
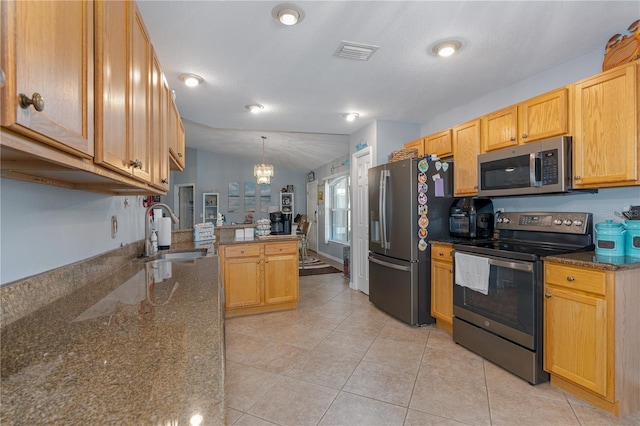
x=626, y=208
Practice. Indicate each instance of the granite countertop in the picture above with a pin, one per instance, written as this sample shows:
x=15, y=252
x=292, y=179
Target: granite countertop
x=590, y=260
x=142, y=346
x=227, y=240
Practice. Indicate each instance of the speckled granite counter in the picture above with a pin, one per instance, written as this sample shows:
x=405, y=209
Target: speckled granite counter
x=590, y=260
x=141, y=346
x=265, y=239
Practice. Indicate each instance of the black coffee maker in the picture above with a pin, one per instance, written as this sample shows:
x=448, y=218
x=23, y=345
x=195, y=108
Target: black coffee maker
x=277, y=225
x=286, y=223
x=471, y=217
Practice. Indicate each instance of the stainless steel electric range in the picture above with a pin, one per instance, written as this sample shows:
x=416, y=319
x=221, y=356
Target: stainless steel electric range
x=502, y=320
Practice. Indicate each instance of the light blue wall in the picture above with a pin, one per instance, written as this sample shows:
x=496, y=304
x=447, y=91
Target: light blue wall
x=391, y=135
x=214, y=172
x=44, y=227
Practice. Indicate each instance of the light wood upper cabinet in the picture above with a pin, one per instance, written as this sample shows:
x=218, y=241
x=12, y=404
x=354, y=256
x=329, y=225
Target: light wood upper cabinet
x=124, y=81
x=442, y=285
x=466, y=147
x=160, y=148
x=140, y=98
x=538, y=118
x=175, y=133
x=591, y=339
x=439, y=144
x=606, y=134
x=417, y=144
x=544, y=116
x=47, y=49
x=500, y=129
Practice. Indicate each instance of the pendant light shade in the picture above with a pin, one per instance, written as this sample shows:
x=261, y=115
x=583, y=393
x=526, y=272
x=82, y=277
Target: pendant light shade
x=263, y=172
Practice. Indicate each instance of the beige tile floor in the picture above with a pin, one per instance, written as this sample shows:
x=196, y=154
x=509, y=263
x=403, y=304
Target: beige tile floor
x=338, y=360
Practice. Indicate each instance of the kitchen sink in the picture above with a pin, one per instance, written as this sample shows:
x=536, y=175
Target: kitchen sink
x=178, y=256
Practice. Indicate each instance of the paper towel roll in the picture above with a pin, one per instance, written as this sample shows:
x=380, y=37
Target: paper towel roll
x=164, y=233
x=157, y=215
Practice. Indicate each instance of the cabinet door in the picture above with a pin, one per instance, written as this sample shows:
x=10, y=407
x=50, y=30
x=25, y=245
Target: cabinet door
x=159, y=149
x=281, y=280
x=242, y=281
x=543, y=117
x=47, y=48
x=112, y=98
x=576, y=337
x=140, y=99
x=176, y=135
x=499, y=129
x=442, y=283
x=417, y=144
x=605, y=143
x=439, y=144
x=466, y=147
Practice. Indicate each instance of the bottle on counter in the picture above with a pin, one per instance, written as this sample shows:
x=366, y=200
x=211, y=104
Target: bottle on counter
x=154, y=242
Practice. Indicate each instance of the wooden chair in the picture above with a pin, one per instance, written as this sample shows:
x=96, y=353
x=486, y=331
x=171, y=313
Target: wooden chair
x=304, y=227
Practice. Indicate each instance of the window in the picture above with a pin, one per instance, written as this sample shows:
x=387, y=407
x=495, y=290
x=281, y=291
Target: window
x=339, y=209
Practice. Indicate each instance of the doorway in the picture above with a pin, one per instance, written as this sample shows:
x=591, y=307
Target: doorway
x=360, y=164
x=183, y=199
x=312, y=214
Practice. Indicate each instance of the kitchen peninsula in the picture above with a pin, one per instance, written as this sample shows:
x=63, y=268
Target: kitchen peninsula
x=142, y=346
x=260, y=274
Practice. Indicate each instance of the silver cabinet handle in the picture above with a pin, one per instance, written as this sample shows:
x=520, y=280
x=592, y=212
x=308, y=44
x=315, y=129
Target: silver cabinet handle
x=36, y=100
x=570, y=278
x=547, y=295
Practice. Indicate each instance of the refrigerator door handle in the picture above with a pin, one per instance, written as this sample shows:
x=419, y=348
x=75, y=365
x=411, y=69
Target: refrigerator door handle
x=382, y=205
x=389, y=265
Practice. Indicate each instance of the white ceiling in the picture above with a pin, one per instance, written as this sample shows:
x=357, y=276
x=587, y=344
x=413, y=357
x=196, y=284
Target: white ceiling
x=246, y=57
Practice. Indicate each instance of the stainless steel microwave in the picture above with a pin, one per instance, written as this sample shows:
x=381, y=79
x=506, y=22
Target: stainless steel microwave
x=541, y=167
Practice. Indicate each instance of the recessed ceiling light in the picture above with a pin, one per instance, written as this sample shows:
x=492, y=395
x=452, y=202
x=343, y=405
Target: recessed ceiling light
x=191, y=80
x=254, y=107
x=287, y=14
x=446, y=48
x=350, y=116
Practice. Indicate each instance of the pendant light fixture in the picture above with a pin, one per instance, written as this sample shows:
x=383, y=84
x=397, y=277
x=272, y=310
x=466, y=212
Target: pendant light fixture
x=263, y=172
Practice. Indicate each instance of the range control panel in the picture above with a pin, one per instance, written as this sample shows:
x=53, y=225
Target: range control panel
x=562, y=222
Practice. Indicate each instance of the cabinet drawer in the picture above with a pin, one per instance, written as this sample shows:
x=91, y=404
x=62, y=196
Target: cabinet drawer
x=574, y=277
x=281, y=248
x=441, y=252
x=242, y=250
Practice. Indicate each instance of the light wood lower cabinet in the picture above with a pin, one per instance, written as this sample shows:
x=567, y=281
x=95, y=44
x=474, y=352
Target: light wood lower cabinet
x=259, y=277
x=591, y=338
x=442, y=285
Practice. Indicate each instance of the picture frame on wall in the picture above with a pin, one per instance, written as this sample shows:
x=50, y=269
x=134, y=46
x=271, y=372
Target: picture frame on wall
x=311, y=176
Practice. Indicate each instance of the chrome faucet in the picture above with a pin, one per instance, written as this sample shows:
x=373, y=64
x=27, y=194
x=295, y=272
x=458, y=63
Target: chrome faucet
x=147, y=239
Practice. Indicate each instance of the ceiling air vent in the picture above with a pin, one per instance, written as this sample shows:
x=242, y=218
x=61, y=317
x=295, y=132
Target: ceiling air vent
x=356, y=51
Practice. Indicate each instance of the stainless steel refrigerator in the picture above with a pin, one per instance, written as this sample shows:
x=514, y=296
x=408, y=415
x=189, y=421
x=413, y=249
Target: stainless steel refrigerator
x=409, y=203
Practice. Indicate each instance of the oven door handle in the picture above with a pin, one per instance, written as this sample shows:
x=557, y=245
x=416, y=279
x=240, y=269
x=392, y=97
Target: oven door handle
x=511, y=265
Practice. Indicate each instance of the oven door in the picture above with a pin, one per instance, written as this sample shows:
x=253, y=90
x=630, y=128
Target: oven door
x=511, y=308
